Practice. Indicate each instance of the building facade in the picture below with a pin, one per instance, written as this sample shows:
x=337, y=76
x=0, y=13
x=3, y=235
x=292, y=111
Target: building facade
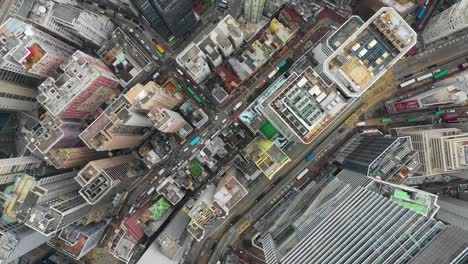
x=450, y=21
x=83, y=86
x=118, y=127
x=16, y=240
x=253, y=10
x=168, y=18
x=16, y=98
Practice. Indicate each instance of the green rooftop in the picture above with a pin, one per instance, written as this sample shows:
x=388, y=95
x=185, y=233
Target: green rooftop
x=268, y=130
x=159, y=208
x=404, y=199
x=196, y=168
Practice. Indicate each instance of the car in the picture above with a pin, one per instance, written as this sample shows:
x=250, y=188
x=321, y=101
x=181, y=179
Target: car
x=180, y=72
x=156, y=75
x=119, y=14
x=224, y=121
x=142, y=41
x=95, y=4
x=148, y=48
x=216, y=117
x=185, y=149
x=131, y=30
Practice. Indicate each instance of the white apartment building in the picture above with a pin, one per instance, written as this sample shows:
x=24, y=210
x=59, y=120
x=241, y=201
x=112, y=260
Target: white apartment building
x=71, y=23
x=28, y=51
x=446, y=23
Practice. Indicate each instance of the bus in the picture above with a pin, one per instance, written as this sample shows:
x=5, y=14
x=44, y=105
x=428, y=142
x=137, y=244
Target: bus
x=386, y=120
x=194, y=95
x=302, y=174
x=441, y=74
x=160, y=55
x=421, y=13
x=272, y=73
x=407, y=83
x=412, y=119
x=424, y=77
x=310, y=157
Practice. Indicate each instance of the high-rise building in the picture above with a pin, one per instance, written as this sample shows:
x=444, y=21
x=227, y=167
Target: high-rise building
x=16, y=240
x=16, y=98
x=441, y=150
x=167, y=17
x=64, y=158
x=452, y=20
x=124, y=55
x=166, y=120
x=352, y=224
x=146, y=97
x=55, y=204
x=77, y=240
x=29, y=51
x=118, y=127
x=388, y=158
x=53, y=133
x=101, y=178
x=253, y=10
x=82, y=86
x=69, y=22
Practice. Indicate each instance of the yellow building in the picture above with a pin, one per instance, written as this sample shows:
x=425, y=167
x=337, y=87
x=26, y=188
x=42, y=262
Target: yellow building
x=268, y=157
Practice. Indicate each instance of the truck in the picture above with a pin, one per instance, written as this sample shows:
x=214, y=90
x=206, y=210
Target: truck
x=237, y=106
x=310, y=157
x=272, y=73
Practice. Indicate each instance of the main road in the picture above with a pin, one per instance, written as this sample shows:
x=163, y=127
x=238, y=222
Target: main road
x=283, y=178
